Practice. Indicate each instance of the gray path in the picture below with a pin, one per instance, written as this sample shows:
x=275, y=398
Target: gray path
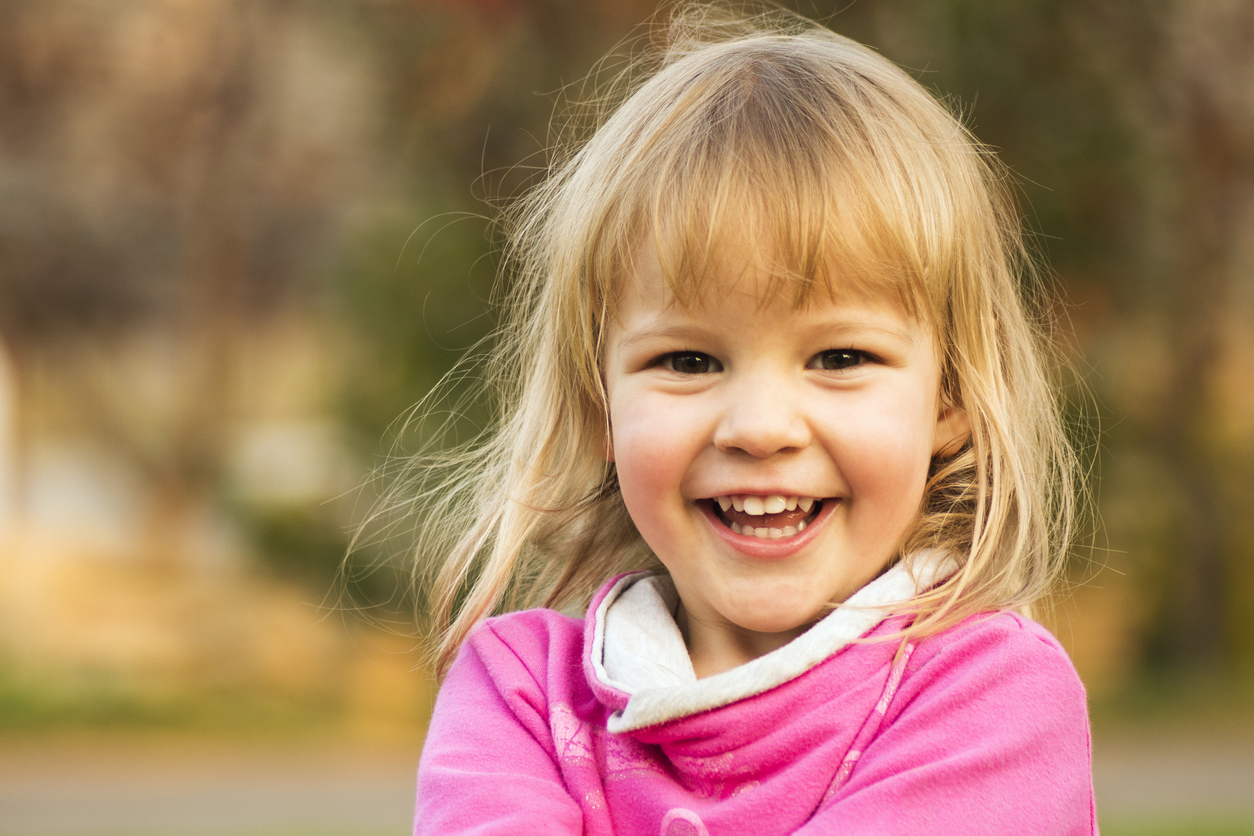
x=156, y=788
x=168, y=789
x=1175, y=777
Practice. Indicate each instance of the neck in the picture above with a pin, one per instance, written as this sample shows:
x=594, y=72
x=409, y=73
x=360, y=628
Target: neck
x=714, y=648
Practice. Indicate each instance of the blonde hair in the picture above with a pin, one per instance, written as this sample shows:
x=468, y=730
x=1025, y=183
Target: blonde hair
x=819, y=151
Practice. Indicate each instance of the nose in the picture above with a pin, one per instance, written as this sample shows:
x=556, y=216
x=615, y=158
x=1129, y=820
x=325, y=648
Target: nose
x=762, y=418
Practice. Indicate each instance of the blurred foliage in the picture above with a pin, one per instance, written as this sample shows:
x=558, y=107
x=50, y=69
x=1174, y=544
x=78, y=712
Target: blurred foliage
x=297, y=542
x=417, y=300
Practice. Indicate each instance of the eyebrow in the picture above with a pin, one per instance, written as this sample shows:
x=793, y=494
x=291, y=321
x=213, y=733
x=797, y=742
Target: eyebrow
x=678, y=331
x=861, y=327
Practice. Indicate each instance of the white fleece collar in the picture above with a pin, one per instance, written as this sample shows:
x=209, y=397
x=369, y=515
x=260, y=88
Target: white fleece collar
x=637, y=647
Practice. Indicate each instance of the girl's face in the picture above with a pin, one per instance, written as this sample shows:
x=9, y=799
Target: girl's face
x=773, y=457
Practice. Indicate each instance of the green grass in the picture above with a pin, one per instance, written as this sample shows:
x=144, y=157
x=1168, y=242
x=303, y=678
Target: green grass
x=1167, y=700
x=29, y=705
x=1179, y=827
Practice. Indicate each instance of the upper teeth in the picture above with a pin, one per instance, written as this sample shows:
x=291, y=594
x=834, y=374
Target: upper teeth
x=756, y=506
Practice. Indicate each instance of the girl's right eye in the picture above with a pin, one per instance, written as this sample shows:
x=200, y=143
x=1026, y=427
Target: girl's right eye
x=690, y=362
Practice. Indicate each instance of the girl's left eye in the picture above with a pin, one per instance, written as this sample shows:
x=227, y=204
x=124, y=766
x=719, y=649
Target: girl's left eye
x=837, y=359
x=691, y=362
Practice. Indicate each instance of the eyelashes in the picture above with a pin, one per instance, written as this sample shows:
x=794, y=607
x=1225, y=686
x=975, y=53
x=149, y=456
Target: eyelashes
x=838, y=359
x=700, y=363
x=690, y=362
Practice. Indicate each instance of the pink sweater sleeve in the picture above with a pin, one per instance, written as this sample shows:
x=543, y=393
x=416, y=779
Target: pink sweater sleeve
x=988, y=735
x=491, y=702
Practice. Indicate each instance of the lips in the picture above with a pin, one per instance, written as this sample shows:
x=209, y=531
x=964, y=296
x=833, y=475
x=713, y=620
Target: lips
x=770, y=517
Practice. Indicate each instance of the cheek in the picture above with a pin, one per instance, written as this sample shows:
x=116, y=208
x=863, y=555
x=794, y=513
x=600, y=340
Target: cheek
x=886, y=456
x=649, y=481
x=658, y=441
x=642, y=467
x=645, y=453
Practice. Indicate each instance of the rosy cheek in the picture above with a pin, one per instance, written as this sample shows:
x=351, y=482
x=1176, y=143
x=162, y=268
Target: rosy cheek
x=644, y=442
x=642, y=466
x=886, y=455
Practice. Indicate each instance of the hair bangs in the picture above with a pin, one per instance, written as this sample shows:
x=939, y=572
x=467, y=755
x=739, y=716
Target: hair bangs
x=752, y=173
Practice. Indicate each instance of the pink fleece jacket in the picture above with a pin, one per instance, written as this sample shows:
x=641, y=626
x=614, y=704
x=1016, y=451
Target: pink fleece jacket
x=981, y=729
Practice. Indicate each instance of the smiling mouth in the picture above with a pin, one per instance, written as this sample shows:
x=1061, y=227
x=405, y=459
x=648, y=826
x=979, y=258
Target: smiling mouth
x=773, y=517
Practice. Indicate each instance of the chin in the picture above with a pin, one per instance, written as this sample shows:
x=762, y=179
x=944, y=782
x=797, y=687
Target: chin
x=781, y=621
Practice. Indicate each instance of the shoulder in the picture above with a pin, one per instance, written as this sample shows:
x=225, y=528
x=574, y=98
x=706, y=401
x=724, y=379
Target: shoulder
x=1001, y=673
x=530, y=635
x=998, y=644
x=521, y=650
x=982, y=710
x=527, y=632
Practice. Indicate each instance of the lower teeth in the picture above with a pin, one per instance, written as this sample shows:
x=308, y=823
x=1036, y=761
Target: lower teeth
x=768, y=533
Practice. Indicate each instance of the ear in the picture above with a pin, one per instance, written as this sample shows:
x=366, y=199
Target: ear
x=953, y=428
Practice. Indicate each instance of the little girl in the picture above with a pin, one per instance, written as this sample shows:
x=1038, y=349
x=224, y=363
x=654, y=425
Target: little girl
x=766, y=345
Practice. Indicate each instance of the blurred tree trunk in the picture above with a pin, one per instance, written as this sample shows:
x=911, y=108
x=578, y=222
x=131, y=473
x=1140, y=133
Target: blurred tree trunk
x=150, y=167
x=15, y=425
x=209, y=315
x=1184, y=73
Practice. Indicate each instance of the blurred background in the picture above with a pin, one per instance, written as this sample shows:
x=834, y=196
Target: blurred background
x=240, y=238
